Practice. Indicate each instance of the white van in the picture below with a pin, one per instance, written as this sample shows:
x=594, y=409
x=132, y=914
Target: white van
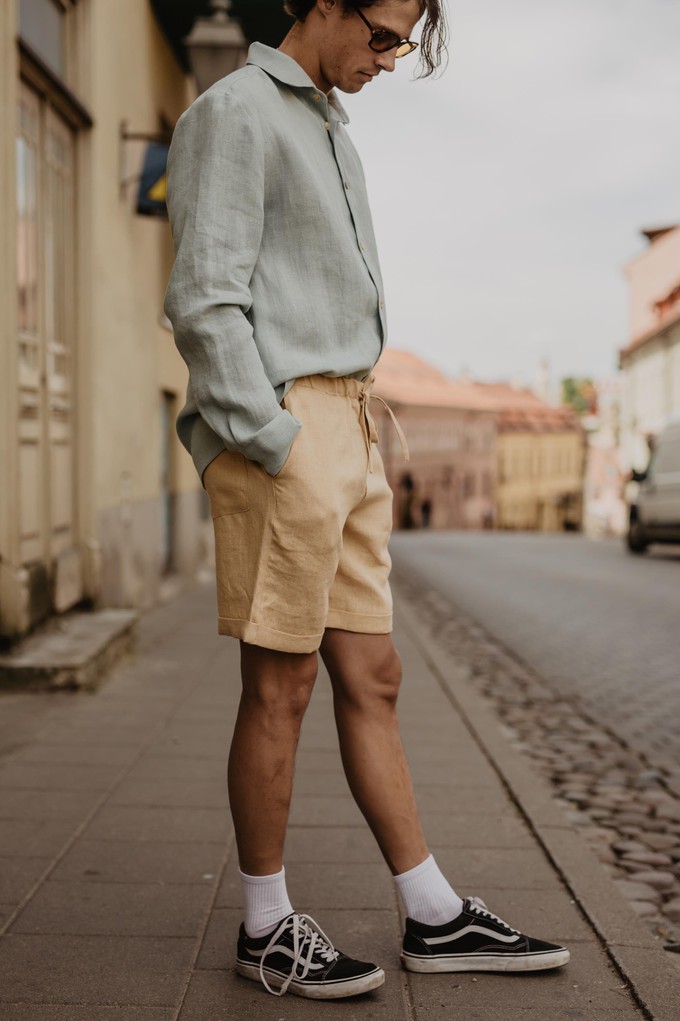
x=655, y=514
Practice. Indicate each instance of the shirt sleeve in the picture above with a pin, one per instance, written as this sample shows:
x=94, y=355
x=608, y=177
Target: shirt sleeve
x=216, y=208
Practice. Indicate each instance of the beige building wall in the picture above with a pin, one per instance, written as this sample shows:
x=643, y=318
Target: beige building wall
x=136, y=511
x=540, y=480
x=136, y=80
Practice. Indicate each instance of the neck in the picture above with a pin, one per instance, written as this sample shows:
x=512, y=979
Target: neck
x=298, y=46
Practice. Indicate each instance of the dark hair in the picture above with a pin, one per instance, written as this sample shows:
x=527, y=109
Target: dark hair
x=432, y=41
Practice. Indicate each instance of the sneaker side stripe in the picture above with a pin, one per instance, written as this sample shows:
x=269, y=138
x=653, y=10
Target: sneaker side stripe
x=279, y=948
x=435, y=940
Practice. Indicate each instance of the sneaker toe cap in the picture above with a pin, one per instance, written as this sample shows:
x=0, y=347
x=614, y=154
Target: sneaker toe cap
x=347, y=967
x=540, y=946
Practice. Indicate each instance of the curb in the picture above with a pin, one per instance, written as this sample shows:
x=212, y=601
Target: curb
x=652, y=976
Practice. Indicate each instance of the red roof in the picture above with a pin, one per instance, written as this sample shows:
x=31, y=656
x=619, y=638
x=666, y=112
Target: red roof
x=403, y=378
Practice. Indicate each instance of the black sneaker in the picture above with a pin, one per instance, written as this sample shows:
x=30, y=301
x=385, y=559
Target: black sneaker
x=477, y=940
x=301, y=959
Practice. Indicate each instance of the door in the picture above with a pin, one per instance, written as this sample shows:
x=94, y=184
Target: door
x=46, y=259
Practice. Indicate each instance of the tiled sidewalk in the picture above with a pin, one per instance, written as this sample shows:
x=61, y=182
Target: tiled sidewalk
x=118, y=880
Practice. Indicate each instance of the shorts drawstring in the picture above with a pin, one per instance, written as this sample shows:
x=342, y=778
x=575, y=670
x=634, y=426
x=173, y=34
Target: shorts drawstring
x=365, y=396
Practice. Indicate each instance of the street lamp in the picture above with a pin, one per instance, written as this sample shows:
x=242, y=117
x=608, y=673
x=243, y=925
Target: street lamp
x=216, y=46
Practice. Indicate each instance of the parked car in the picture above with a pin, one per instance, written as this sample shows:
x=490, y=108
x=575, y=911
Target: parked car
x=655, y=513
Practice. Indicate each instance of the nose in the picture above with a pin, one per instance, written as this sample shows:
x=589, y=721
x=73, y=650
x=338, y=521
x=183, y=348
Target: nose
x=386, y=61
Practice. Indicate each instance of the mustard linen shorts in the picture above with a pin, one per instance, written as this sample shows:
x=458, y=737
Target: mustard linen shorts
x=307, y=549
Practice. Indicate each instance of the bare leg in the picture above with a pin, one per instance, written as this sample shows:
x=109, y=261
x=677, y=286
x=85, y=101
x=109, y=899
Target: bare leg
x=365, y=672
x=277, y=687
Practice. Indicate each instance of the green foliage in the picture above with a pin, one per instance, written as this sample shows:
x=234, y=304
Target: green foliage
x=580, y=394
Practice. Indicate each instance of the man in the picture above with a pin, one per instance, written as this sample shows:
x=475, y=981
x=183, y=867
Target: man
x=277, y=305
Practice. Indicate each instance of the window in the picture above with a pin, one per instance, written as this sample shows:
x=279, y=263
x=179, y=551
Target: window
x=42, y=24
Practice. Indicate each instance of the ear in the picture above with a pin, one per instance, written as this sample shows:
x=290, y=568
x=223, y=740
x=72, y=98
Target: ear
x=326, y=7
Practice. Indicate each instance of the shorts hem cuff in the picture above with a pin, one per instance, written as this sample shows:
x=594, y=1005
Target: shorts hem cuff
x=265, y=637
x=362, y=623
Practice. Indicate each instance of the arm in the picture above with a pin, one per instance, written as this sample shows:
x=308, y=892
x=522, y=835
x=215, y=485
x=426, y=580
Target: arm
x=216, y=209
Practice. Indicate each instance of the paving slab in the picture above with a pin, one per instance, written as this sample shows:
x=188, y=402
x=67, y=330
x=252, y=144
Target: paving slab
x=455, y=829
x=183, y=825
x=323, y=845
x=18, y=875
x=134, y=971
x=445, y=799
x=56, y=776
x=151, y=766
x=87, y=1012
x=314, y=811
x=224, y=996
x=114, y=909
x=64, y=805
x=137, y=861
x=33, y=838
x=101, y=753
x=172, y=793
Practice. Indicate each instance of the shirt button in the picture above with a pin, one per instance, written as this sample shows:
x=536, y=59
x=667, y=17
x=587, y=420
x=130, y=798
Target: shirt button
x=317, y=97
x=362, y=247
x=346, y=185
x=326, y=125
x=382, y=305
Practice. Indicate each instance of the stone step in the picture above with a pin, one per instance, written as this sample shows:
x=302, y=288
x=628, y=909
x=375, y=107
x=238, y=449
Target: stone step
x=69, y=652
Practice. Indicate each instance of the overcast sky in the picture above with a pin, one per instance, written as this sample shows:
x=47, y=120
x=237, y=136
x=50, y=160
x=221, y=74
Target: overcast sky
x=508, y=194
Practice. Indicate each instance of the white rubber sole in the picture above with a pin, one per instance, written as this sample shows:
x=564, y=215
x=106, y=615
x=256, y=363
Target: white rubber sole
x=318, y=991
x=488, y=962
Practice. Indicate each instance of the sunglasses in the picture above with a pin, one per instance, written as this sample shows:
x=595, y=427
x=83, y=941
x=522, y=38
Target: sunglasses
x=382, y=39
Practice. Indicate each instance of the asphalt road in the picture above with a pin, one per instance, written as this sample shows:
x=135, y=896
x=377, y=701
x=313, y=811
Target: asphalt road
x=594, y=621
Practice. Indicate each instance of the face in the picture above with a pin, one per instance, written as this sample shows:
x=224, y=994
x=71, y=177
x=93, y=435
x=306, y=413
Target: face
x=347, y=62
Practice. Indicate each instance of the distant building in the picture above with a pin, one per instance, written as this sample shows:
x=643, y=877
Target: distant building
x=541, y=459
x=482, y=455
x=450, y=480
x=650, y=362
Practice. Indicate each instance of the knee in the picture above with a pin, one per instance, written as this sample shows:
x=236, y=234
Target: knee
x=386, y=679
x=283, y=691
x=377, y=687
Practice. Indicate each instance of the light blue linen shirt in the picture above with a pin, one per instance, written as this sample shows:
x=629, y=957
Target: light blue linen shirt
x=276, y=272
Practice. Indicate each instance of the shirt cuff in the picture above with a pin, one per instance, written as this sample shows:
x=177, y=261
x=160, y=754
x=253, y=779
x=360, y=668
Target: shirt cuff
x=271, y=445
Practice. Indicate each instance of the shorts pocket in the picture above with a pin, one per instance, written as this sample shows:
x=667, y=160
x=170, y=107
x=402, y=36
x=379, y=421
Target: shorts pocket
x=226, y=483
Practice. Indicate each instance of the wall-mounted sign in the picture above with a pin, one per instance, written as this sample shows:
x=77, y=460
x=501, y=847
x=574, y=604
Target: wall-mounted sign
x=153, y=181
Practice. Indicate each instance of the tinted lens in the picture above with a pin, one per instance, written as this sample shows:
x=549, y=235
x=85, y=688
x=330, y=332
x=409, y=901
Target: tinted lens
x=405, y=49
x=383, y=40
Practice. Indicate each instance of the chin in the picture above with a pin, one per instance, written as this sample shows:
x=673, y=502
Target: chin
x=350, y=87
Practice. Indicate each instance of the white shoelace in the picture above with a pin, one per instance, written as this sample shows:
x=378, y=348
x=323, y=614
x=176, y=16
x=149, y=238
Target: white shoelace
x=479, y=907
x=308, y=939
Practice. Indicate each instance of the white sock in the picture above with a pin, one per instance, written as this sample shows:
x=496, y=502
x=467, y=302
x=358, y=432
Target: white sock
x=427, y=896
x=266, y=902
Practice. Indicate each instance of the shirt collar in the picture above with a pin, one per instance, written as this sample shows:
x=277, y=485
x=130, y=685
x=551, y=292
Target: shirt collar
x=282, y=67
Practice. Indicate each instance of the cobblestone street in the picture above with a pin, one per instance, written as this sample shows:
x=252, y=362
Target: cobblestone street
x=596, y=623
